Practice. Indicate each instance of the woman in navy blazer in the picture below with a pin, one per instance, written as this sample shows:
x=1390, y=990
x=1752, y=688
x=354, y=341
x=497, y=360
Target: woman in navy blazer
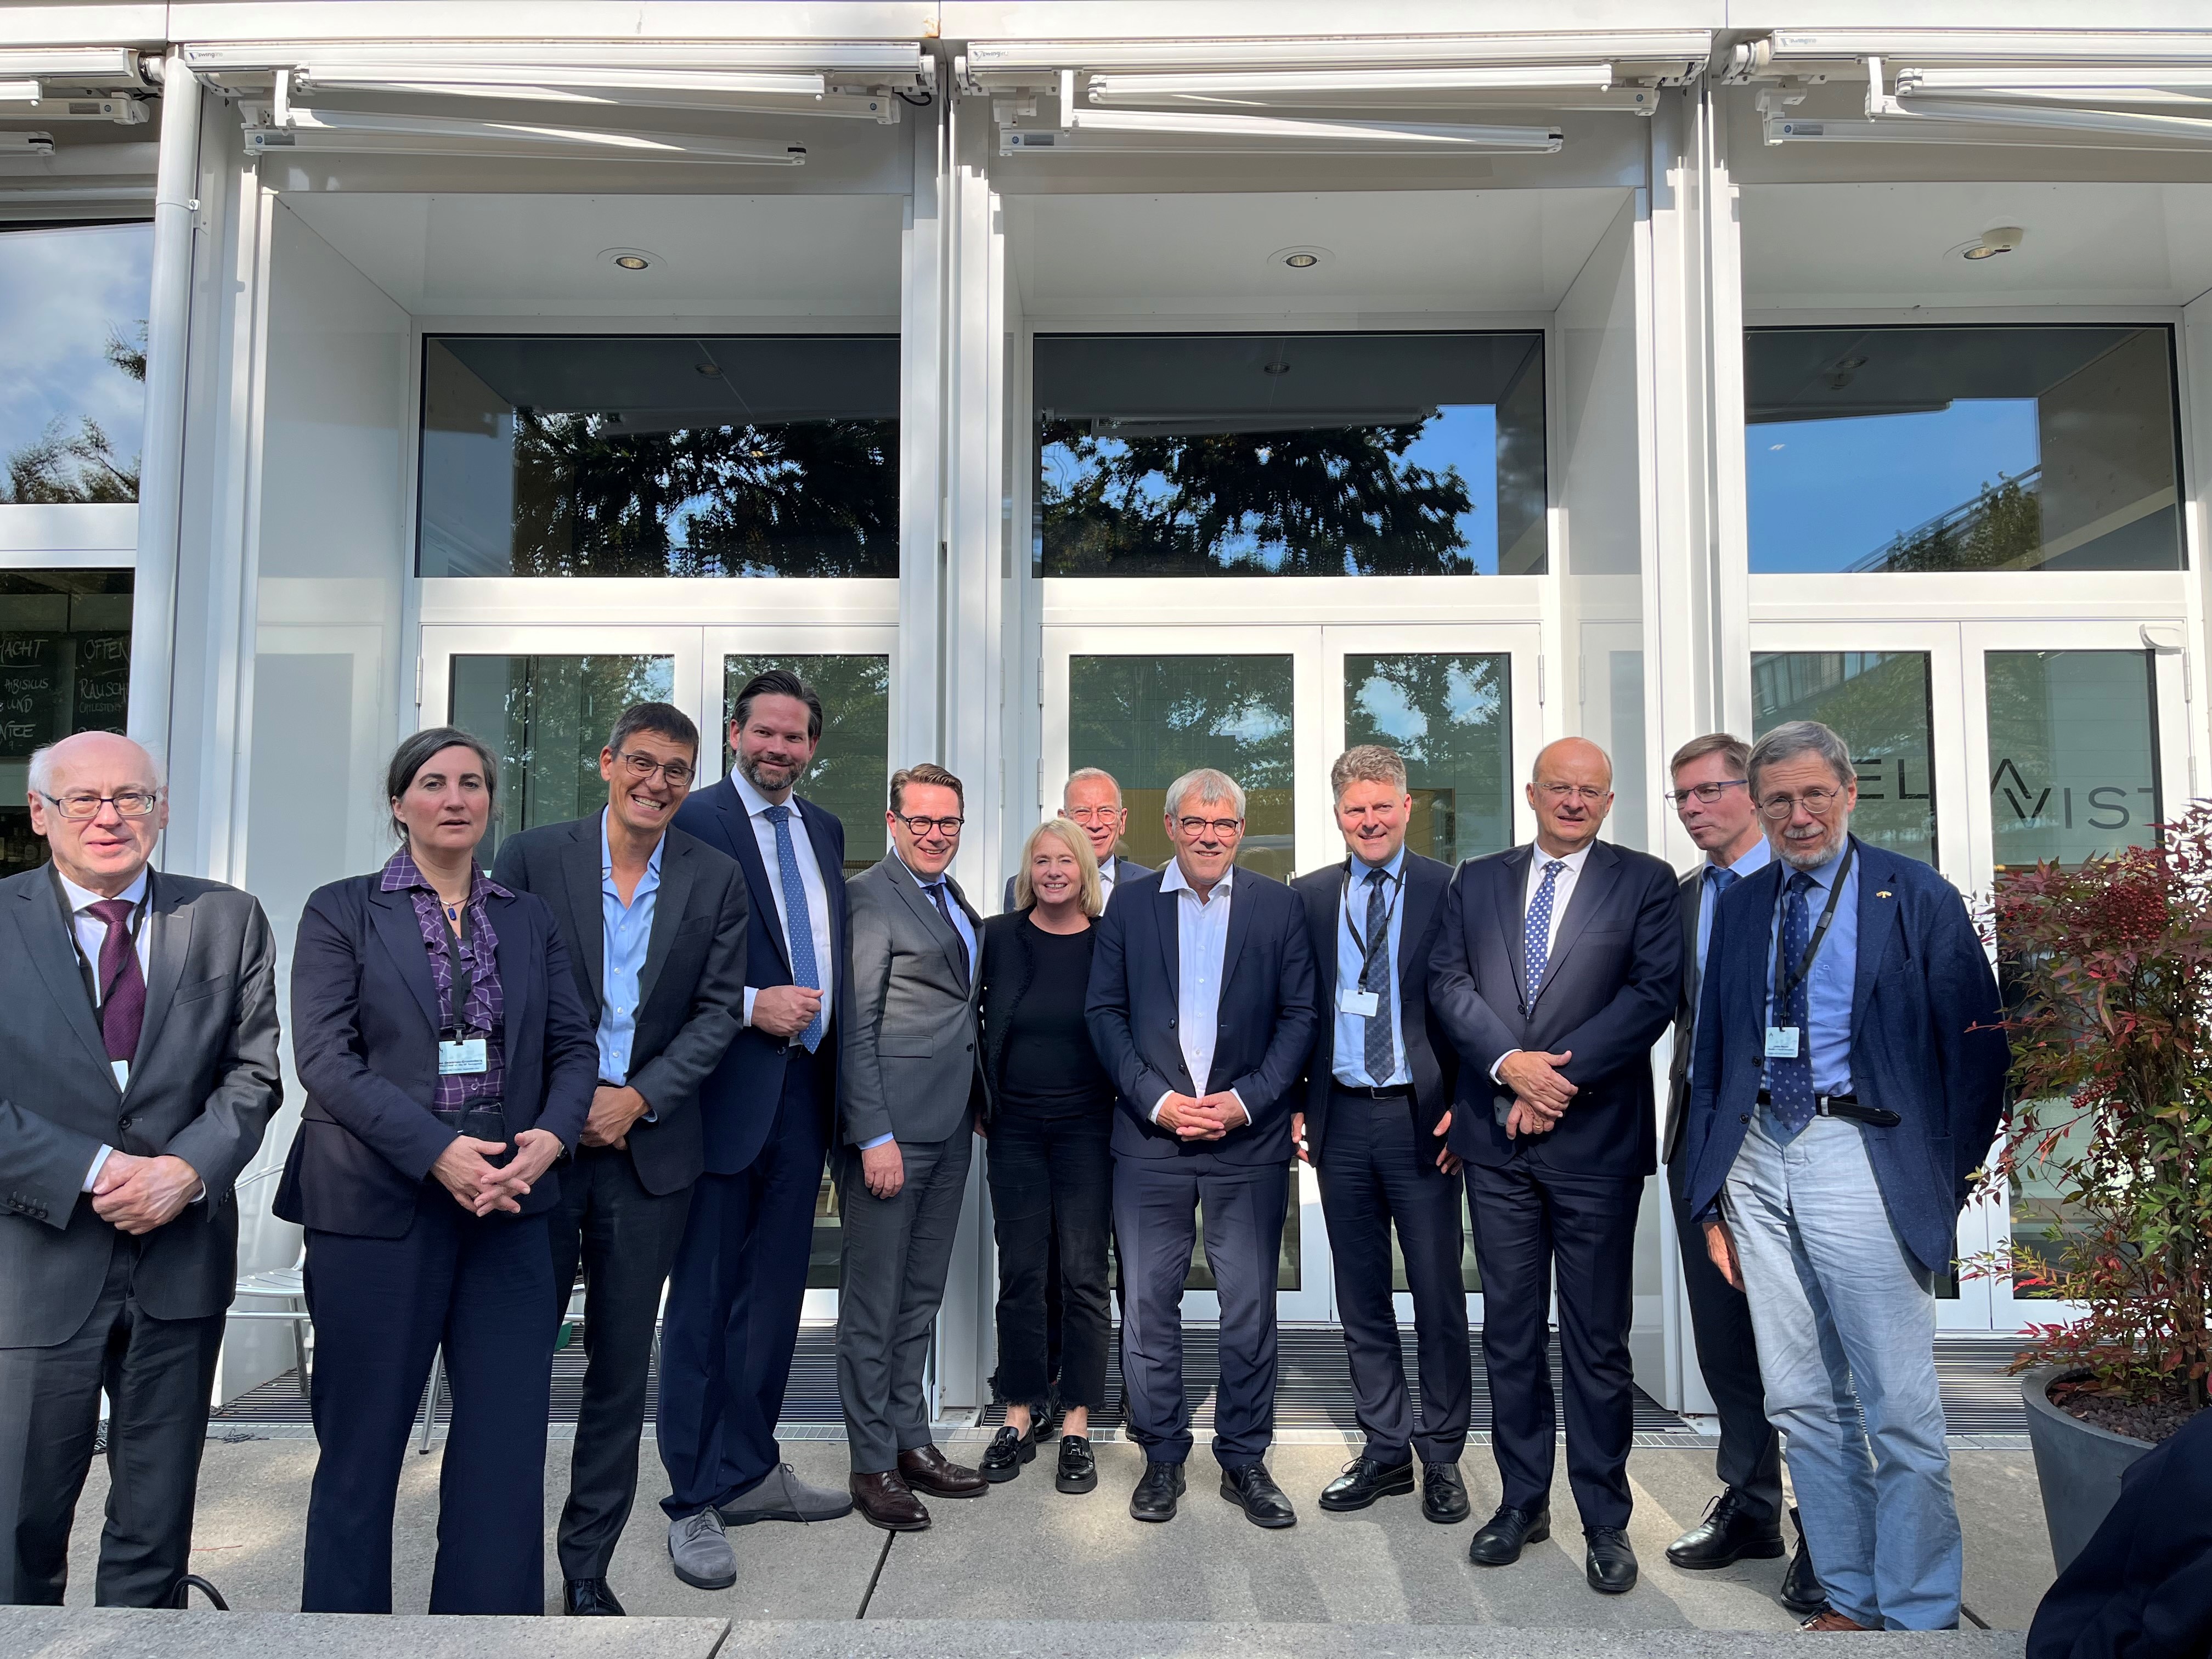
x=448, y=1062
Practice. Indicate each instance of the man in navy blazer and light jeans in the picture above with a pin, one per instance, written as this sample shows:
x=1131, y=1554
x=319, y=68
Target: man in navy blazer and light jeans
x=1849, y=1069
x=1558, y=966
x=1201, y=1007
x=739, y=1282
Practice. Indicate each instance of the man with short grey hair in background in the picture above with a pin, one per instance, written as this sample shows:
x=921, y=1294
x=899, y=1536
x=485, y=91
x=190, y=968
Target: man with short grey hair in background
x=1092, y=799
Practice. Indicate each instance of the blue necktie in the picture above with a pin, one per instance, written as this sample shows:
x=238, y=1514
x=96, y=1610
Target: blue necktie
x=1375, y=975
x=1536, y=941
x=1789, y=1082
x=1721, y=879
x=798, y=929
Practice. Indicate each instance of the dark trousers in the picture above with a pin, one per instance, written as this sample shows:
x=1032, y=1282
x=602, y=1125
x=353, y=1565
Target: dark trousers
x=1156, y=1206
x=481, y=1287
x=1750, y=1461
x=1530, y=1224
x=890, y=1281
x=622, y=1240
x=734, y=1299
x=1373, y=1173
x=1052, y=1183
x=159, y=1375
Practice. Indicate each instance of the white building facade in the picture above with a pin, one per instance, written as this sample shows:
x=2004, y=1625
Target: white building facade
x=1096, y=382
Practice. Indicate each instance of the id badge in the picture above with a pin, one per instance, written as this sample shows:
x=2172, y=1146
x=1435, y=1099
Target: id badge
x=466, y=1055
x=1362, y=1003
x=1782, y=1043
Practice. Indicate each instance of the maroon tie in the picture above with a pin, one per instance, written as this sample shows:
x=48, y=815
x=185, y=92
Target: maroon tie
x=122, y=1009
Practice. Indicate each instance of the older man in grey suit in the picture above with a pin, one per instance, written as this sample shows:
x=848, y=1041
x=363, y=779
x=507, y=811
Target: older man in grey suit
x=137, y=1073
x=909, y=1080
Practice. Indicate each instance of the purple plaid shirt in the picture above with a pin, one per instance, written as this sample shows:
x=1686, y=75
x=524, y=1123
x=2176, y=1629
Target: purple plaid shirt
x=486, y=1014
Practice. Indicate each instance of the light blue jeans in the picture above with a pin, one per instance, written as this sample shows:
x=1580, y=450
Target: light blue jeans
x=1845, y=1319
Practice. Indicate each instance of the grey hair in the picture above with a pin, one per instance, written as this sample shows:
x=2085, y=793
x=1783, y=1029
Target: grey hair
x=1795, y=738
x=42, y=770
x=1204, y=783
x=1083, y=775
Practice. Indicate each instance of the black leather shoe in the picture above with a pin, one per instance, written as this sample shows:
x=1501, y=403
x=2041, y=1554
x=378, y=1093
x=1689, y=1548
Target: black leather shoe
x=1045, y=1415
x=1156, y=1494
x=1610, y=1566
x=1254, y=1491
x=1505, y=1533
x=1003, y=1459
x=582, y=1598
x=1443, y=1494
x=1363, y=1481
x=1802, y=1592
x=1727, y=1535
x=1079, y=1469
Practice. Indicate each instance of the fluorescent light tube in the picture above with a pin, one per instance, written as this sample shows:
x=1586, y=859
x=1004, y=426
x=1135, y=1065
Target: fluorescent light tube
x=417, y=135
x=2118, y=81
x=1368, y=88
x=1002, y=63
x=2021, y=46
x=1135, y=130
x=526, y=79
x=74, y=66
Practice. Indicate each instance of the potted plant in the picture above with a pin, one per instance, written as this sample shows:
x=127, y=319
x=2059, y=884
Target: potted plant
x=2107, y=967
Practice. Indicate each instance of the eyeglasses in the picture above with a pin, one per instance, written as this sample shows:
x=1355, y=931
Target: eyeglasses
x=1088, y=815
x=1588, y=794
x=1818, y=802
x=1708, y=793
x=918, y=827
x=1220, y=826
x=82, y=806
x=644, y=766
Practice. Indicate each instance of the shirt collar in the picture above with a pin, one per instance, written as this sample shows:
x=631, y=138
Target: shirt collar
x=1394, y=867
x=80, y=897
x=1760, y=855
x=1574, y=861
x=607, y=853
x=755, y=802
x=1824, y=875
x=401, y=875
x=1172, y=881
x=920, y=880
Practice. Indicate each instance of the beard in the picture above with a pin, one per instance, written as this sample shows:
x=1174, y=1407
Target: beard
x=757, y=773
x=1810, y=854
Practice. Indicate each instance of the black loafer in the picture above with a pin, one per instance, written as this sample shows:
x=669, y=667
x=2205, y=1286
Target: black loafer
x=1254, y=1491
x=1507, y=1533
x=1443, y=1494
x=1802, y=1592
x=1156, y=1494
x=1045, y=1414
x=1610, y=1566
x=1079, y=1469
x=1727, y=1535
x=1363, y=1481
x=1003, y=1459
x=587, y=1598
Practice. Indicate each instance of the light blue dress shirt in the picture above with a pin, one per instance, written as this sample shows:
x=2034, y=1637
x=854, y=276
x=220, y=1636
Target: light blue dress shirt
x=626, y=931
x=1201, y=953
x=1828, y=990
x=1351, y=1038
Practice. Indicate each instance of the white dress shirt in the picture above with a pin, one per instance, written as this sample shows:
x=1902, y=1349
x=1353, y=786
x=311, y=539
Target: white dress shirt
x=1201, y=964
x=1108, y=873
x=809, y=878
x=1563, y=889
x=91, y=939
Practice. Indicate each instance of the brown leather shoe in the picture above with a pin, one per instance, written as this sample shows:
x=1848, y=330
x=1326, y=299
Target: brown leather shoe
x=931, y=1471
x=1829, y=1618
x=884, y=1501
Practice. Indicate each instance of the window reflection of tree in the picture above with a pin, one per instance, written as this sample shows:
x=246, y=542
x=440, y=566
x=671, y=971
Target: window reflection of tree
x=802, y=498
x=1335, y=502
x=1879, y=702
x=1447, y=717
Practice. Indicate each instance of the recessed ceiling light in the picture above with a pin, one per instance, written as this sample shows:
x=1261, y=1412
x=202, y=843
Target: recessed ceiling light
x=1302, y=261
x=712, y=369
x=1305, y=258
x=1274, y=369
x=631, y=259
x=2002, y=239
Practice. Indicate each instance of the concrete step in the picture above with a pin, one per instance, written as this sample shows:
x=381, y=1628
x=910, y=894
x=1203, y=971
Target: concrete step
x=124, y=1634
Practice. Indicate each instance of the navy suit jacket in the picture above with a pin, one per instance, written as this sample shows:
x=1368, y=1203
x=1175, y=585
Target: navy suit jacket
x=1924, y=1042
x=1430, y=1055
x=1614, y=976
x=1266, y=1015
x=738, y=1102
x=365, y=1043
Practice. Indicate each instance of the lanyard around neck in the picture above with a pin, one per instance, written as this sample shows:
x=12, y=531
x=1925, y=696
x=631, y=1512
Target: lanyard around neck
x=1390, y=912
x=1786, y=990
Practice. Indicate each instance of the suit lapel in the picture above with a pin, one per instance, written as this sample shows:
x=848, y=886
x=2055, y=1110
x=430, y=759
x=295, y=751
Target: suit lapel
x=169, y=939
x=743, y=846
x=517, y=963
x=1169, y=935
x=45, y=941
x=825, y=859
x=1240, y=928
x=1600, y=872
x=1878, y=920
x=581, y=883
x=669, y=904
x=1424, y=890
x=908, y=888
x=1512, y=883
x=396, y=925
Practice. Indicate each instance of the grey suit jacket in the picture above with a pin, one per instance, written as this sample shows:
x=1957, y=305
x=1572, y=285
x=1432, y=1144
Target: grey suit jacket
x=203, y=1087
x=908, y=1062
x=1692, y=892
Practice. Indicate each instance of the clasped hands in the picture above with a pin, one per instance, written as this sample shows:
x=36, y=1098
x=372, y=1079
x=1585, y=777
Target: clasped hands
x=137, y=1195
x=1540, y=1091
x=1202, y=1117
x=480, y=1187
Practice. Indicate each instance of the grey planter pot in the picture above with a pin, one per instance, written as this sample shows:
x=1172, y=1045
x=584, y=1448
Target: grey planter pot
x=2078, y=1465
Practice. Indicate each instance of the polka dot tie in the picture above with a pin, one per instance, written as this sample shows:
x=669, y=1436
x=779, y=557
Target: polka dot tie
x=1790, y=1081
x=1537, y=942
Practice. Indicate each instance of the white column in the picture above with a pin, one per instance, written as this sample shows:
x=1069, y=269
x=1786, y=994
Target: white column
x=916, y=694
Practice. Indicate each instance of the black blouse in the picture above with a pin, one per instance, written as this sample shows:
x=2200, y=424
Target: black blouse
x=1036, y=1047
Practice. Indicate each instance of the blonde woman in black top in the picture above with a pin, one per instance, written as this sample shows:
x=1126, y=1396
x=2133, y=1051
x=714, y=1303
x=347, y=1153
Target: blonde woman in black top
x=1051, y=1168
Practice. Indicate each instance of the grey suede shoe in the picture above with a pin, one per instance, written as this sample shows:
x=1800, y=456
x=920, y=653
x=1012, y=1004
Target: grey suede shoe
x=701, y=1555
x=784, y=1497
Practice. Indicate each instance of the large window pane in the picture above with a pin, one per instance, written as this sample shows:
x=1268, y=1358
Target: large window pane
x=547, y=717
x=1451, y=718
x=1921, y=449
x=1878, y=702
x=852, y=767
x=646, y=456
x=1149, y=719
x=2072, y=753
x=1289, y=455
x=73, y=361
x=64, y=667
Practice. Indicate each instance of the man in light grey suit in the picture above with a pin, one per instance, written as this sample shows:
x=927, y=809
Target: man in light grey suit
x=137, y=1073
x=909, y=1080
